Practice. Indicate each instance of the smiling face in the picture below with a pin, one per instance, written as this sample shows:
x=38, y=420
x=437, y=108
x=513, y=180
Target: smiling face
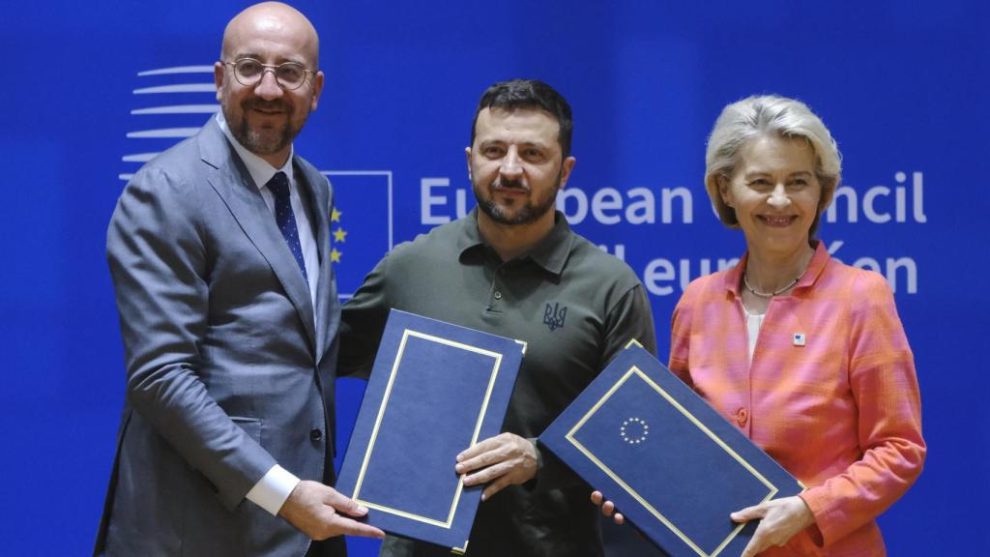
x=775, y=193
x=265, y=118
x=515, y=165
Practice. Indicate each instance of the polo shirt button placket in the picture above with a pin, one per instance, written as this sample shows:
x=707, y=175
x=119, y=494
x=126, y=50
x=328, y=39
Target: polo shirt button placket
x=495, y=293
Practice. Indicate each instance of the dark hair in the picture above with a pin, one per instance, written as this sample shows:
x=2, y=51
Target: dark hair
x=529, y=93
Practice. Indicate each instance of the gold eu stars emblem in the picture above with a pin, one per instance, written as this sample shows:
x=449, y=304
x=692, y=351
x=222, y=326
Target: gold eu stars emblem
x=339, y=236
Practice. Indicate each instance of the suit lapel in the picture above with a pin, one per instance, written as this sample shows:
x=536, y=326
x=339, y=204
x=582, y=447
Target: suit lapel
x=234, y=185
x=326, y=295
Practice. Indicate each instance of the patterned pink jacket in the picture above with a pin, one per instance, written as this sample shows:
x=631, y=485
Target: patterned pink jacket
x=831, y=393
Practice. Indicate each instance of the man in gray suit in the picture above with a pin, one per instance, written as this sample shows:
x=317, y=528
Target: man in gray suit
x=219, y=253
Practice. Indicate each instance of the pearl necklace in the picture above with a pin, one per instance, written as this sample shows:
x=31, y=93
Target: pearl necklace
x=767, y=294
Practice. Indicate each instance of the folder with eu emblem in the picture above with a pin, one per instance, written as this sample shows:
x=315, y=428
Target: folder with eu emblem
x=435, y=390
x=671, y=464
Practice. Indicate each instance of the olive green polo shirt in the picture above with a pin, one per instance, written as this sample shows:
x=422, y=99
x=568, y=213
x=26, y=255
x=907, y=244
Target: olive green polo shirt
x=573, y=304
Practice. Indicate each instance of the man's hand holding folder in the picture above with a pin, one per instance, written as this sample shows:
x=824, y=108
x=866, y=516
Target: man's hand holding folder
x=498, y=462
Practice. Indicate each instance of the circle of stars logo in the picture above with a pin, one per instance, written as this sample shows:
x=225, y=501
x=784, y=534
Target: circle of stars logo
x=339, y=236
x=634, y=430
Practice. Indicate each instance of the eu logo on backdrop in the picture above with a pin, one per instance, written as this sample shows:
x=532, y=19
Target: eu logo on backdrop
x=172, y=104
x=360, y=225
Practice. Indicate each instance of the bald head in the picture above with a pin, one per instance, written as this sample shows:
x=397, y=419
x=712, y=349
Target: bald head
x=275, y=22
x=263, y=113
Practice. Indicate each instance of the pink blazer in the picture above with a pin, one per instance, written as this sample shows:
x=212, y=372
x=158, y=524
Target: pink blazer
x=831, y=393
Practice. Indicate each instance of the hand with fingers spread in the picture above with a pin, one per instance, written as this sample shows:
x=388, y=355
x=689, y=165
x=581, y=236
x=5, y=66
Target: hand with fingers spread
x=497, y=462
x=321, y=512
x=607, y=507
x=781, y=520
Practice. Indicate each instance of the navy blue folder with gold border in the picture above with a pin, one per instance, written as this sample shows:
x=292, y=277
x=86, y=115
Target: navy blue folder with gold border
x=435, y=390
x=670, y=463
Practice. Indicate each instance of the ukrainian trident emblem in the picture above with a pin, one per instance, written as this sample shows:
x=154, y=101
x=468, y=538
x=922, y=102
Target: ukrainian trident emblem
x=553, y=316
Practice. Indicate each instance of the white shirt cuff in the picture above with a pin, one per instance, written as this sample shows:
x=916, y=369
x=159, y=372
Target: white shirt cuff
x=273, y=489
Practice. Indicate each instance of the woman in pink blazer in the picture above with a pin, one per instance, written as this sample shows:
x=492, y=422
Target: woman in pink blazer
x=804, y=354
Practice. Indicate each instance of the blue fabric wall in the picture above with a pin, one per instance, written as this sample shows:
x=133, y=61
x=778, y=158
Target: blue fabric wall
x=902, y=86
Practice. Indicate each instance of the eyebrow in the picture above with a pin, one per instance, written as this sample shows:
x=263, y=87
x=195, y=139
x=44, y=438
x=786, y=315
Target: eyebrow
x=493, y=141
x=756, y=173
x=258, y=57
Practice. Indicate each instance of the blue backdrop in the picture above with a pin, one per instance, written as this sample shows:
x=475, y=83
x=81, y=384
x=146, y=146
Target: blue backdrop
x=902, y=86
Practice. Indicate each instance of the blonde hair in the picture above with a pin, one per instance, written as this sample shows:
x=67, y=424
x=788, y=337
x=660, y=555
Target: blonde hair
x=756, y=116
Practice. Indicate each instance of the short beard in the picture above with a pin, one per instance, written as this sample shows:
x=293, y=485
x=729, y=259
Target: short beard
x=525, y=215
x=272, y=140
x=262, y=143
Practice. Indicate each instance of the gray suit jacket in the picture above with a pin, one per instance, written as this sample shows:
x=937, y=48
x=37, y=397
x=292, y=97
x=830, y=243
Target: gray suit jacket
x=228, y=372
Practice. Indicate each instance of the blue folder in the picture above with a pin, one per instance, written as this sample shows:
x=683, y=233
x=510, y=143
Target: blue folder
x=435, y=390
x=670, y=463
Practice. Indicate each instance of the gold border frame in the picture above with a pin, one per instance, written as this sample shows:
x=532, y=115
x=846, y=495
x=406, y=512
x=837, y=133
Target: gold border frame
x=634, y=370
x=381, y=413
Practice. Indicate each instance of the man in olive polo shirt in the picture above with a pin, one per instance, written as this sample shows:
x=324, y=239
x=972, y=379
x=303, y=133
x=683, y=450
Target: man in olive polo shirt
x=513, y=267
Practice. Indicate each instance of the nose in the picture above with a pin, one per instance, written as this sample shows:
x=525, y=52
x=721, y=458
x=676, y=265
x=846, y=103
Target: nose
x=511, y=167
x=778, y=197
x=268, y=87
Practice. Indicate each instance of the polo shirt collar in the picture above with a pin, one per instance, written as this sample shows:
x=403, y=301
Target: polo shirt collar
x=469, y=238
x=550, y=253
x=818, y=262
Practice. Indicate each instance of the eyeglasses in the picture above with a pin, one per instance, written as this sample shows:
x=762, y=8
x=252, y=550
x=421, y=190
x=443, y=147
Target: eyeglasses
x=289, y=75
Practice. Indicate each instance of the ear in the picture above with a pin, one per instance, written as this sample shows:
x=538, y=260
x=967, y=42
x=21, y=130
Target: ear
x=317, y=89
x=565, y=170
x=722, y=182
x=467, y=159
x=827, y=194
x=218, y=76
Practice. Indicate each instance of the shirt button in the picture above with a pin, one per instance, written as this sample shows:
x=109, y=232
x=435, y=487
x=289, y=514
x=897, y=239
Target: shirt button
x=498, y=295
x=315, y=434
x=742, y=416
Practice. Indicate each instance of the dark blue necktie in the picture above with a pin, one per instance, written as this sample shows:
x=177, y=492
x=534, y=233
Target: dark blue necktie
x=285, y=218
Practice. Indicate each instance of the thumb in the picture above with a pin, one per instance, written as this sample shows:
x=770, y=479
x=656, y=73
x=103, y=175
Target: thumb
x=344, y=504
x=749, y=513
